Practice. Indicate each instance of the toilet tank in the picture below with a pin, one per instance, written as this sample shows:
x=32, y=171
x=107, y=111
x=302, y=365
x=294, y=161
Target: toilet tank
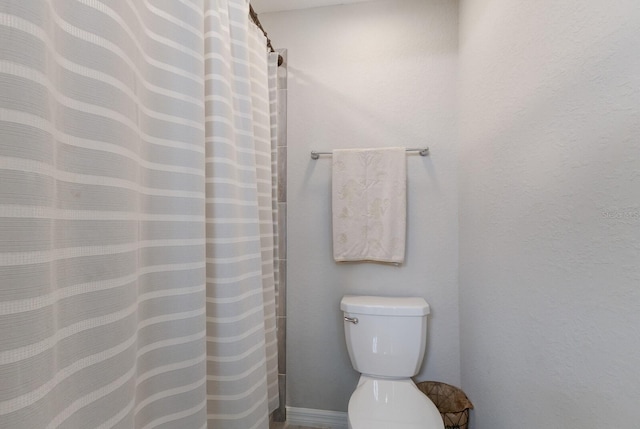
x=386, y=336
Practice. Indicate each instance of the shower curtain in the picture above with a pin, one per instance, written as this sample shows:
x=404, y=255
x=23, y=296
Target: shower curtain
x=136, y=216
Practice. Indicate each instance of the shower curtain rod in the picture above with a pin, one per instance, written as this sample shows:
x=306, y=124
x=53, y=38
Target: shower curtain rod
x=423, y=151
x=256, y=21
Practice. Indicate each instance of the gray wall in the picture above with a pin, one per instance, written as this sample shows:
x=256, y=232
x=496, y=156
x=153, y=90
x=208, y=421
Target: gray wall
x=550, y=212
x=372, y=74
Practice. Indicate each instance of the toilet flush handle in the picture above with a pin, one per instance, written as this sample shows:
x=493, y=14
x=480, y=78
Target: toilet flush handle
x=353, y=320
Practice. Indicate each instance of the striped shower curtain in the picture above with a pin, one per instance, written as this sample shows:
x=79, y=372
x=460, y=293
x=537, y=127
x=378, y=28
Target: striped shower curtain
x=241, y=322
x=136, y=216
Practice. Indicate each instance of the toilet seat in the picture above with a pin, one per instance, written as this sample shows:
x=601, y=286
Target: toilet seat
x=397, y=404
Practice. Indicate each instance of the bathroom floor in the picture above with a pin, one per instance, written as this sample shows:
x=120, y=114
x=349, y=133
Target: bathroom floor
x=288, y=426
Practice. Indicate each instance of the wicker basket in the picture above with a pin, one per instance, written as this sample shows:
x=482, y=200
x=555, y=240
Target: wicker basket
x=452, y=403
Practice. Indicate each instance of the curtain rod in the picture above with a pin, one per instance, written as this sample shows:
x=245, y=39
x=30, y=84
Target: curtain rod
x=256, y=21
x=423, y=151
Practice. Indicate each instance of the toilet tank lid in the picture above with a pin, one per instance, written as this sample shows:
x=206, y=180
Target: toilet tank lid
x=384, y=305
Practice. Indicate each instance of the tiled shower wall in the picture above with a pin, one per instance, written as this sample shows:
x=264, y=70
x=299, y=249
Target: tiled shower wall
x=280, y=414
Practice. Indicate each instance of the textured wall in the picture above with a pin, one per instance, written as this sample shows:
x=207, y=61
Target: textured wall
x=550, y=212
x=371, y=74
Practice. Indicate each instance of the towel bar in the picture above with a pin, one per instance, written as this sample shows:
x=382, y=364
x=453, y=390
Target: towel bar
x=421, y=151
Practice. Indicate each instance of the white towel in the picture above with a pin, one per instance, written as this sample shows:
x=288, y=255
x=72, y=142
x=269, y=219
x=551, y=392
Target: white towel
x=369, y=204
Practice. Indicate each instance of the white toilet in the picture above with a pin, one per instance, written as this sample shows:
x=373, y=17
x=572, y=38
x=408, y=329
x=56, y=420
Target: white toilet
x=386, y=339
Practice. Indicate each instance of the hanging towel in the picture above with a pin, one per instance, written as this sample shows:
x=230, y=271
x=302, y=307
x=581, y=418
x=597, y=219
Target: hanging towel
x=369, y=204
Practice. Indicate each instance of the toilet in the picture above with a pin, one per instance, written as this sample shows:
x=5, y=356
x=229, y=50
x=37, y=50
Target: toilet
x=386, y=341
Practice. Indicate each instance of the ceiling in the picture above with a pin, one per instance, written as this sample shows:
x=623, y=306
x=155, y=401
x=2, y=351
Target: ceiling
x=265, y=6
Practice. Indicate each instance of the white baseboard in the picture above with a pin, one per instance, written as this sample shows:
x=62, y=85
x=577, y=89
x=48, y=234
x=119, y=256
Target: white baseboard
x=317, y=418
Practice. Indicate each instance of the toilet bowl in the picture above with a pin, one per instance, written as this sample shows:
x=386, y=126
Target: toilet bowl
x=391, y=404
x=386, y=341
